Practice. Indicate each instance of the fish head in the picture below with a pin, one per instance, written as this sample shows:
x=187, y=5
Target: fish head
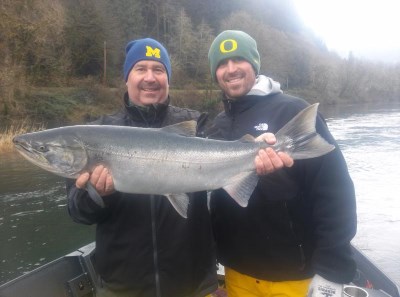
x=53, y=150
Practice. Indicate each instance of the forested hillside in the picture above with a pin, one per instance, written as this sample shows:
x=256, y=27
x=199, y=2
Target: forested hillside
x=56, y=44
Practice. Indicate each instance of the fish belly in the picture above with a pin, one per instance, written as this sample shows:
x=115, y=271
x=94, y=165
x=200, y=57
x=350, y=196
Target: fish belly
x=173, y=177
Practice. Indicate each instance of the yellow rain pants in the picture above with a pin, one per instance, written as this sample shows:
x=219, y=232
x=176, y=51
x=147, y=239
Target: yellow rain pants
x=241, y=285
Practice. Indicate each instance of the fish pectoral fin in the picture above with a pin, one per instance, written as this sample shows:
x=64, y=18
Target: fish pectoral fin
x=187, y=128
x=242, y=186
x=94, y=195
x=180, y=202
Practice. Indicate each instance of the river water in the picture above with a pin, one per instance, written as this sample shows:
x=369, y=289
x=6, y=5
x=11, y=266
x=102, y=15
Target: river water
x=34, y=224
x=35, y=227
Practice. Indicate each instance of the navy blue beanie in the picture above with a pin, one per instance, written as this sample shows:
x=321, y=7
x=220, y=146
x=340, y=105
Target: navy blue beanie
x=145, y=49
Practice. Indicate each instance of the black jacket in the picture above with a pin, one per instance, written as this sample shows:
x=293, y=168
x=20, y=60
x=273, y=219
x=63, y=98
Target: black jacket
x=299, y=220
x=142, y=244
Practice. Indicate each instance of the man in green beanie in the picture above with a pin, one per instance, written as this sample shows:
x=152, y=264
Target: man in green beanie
x=293, y=238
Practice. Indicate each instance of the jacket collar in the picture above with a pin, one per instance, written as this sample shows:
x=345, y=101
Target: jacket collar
x=239, y=105
x=151, y=115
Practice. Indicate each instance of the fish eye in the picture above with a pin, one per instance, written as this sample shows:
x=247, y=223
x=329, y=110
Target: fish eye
x=42, y=148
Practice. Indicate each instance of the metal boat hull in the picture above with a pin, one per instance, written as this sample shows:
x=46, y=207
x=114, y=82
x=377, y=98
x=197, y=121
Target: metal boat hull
x=74, y=275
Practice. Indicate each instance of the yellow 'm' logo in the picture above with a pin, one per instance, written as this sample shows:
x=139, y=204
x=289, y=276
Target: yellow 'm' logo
x=232, y=46
x=152, y=52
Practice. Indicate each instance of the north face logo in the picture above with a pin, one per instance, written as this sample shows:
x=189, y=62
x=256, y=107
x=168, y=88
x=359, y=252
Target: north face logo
x=261, y=127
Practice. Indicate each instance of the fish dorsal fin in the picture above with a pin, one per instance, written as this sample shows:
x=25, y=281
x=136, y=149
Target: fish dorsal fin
x=247, y=138
x=241, y=187
x=180, y=202
x=187, y=128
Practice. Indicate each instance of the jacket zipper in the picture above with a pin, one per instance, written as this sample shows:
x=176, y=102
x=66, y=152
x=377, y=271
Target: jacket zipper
x=232, y=118
x=154, y=238
x=299, y=244
x=302, y=257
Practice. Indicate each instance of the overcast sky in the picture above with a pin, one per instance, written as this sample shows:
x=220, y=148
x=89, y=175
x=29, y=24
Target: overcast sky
x=360, y=26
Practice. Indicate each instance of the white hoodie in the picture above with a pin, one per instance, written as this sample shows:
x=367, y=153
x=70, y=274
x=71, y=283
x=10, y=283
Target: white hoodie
x=265, y=86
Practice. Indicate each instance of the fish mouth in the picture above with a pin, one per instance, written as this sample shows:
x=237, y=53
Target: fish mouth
x=22, y=146
x=29, y=153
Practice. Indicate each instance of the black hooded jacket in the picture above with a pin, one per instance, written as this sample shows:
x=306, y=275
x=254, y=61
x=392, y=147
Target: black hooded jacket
x=143, y=246
x=299, y=220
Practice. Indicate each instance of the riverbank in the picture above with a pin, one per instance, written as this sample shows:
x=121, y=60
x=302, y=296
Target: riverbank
x=48, y=107
x=59, y=105
x=41, y=108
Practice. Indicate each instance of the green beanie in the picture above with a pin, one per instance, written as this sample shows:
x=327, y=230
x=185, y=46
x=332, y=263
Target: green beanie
x=231, y=44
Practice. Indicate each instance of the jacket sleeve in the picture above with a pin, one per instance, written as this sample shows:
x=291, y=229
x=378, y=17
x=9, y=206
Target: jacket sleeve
x=333, y=210
x=203, y=123
x=81, y=208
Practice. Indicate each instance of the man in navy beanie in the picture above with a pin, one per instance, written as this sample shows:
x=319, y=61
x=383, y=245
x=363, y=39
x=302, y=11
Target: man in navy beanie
x=143, y=246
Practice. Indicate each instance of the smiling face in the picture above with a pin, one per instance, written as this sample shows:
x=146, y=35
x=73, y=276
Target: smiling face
x=235, y=77
x=148, y=83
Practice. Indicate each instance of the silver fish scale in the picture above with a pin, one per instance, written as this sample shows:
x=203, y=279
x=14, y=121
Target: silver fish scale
x=176, y=163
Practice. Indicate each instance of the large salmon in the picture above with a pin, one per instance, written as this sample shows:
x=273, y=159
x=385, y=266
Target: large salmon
x=169, y=161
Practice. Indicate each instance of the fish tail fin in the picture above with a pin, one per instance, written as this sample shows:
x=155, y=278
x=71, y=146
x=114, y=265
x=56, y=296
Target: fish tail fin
x=180, y=202
x=242, y=186
x=300, y=138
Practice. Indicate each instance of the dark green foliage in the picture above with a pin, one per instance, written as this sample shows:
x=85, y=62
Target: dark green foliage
x=84, y=34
